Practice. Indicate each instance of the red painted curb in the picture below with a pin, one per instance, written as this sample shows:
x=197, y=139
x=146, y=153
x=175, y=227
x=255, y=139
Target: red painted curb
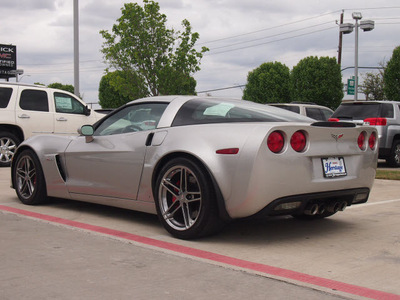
x=275, y=271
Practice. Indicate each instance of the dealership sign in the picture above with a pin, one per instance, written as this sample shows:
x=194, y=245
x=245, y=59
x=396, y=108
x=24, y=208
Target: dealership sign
x=8, y=61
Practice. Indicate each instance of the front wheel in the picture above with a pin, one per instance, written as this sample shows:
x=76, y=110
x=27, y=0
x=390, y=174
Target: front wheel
x=185, y=200
x=8, y=144
x=394, y=157
x=28, y=179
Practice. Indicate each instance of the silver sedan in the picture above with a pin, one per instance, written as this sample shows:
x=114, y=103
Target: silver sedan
x=199, y=162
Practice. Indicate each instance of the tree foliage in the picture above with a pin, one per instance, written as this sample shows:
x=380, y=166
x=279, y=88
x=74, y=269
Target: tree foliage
x=268, y=83
x=391, y=76
x=157, y=60
x=317, y=80
x=373, y=86
x=113, y=92
x=60, y=86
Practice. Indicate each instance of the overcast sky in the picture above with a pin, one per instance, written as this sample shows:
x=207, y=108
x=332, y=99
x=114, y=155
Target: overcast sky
x=241, y=35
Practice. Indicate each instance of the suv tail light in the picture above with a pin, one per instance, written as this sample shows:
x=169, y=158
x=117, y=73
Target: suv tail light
x=376, y=121
x=333, y=120
x=298, y=141
x=276, y=141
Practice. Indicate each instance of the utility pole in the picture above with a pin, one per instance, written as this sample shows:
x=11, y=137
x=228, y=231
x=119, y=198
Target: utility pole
x=340, y=40
x=76, y=48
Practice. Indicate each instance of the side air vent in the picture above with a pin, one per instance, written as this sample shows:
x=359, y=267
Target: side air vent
x=60, y=167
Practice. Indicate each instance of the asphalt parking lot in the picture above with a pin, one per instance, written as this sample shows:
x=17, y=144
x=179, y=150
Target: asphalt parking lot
x=72, y=250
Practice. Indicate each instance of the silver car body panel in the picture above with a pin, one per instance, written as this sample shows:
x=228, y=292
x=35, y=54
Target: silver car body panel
x=119, y=170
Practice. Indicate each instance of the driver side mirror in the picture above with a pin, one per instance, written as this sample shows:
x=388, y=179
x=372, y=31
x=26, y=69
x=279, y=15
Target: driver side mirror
x=87, y=131
x=86, y=111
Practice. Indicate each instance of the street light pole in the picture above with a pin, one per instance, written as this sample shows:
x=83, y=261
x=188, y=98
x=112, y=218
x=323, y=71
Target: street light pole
x=346, y=28
x=356, y=63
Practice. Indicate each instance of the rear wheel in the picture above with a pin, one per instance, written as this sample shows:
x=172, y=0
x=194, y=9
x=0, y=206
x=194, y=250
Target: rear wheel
x=394, y=157
x=28, y=178
x=185, y=200
x=8, y=144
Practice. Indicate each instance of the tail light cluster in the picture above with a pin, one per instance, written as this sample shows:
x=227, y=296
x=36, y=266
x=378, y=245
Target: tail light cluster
x=298, y=141
x=276, y=141
x=363, y=142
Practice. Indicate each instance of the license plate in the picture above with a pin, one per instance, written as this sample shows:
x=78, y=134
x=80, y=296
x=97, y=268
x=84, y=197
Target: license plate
x=334, y=167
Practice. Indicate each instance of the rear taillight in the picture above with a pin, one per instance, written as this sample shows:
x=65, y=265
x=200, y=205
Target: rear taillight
x=333, y=120
x=376, y=121
x=361, y=140
x=298, y=141
x=372, y=141
x=276, y=141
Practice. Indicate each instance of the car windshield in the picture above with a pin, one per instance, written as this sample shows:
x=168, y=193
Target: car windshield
x=359, y=111
x=201, y=111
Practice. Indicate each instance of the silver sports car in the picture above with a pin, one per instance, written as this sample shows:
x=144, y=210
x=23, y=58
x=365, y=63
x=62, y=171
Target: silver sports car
x=198, y=162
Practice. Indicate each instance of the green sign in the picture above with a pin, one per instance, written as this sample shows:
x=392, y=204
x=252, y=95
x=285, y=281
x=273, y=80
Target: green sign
x=350, y=86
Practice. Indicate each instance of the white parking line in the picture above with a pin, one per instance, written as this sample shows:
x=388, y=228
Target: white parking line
x=374, y=203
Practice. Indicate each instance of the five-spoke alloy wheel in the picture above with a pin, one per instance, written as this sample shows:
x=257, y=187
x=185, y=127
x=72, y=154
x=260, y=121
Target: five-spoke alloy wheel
x=28, y=178
x=185, y=199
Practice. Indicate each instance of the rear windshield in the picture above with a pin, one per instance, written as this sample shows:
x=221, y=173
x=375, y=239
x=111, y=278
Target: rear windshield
x=5, y=95
x=200, y=111
x=361, y=111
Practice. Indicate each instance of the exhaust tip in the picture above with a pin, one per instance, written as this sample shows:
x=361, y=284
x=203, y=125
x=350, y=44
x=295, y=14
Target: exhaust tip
x=311, y=209
x=342, y=206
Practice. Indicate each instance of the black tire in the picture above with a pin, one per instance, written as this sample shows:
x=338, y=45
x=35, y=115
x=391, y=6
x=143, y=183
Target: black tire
x=185, y=200
x=394, y=157
x=8, y=144
x=28, y=179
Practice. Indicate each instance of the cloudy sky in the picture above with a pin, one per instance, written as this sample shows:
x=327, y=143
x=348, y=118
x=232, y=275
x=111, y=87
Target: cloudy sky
x=241, y=35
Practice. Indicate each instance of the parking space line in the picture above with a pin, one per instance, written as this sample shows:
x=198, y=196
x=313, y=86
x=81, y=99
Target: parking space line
x=214, y=257
x=375, y=203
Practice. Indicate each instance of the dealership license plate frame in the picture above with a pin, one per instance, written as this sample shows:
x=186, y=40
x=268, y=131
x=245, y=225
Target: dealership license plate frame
x=333, y=171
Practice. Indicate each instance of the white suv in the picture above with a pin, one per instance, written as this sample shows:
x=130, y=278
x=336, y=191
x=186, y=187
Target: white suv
x=311, y=110
x=27, y=110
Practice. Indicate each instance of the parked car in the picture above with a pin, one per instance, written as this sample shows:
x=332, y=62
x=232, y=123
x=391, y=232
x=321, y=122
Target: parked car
x=200, y=162
x=27, y=110
x=384, y=116
x=311, y=110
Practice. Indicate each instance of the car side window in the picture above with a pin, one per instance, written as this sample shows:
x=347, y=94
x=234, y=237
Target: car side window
x=387, y=110
x=326, y=114
x=35, y=100
x=132, y=118
x=65, y=103
x=5, y=96
x=314, y=113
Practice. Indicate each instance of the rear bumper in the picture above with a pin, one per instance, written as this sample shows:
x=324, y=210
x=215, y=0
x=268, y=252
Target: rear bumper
x=293, y=205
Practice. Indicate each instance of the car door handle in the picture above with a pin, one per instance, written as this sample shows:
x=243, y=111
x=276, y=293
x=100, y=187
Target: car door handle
x=62, y=119
x=23, y=116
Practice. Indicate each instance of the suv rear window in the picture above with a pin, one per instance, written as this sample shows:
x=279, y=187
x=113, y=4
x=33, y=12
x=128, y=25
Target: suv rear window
x=361, y=111
x=5, y=95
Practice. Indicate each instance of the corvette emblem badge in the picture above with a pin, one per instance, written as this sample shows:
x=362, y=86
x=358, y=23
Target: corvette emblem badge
x=337, y=136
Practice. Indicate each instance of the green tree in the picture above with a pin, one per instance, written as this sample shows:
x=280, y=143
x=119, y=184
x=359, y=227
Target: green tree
x=372, y=86
x=317, y=80
x=391, y=76
x=113, y=92
x=154, y=55
x=60, y=86
x=268, y=83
